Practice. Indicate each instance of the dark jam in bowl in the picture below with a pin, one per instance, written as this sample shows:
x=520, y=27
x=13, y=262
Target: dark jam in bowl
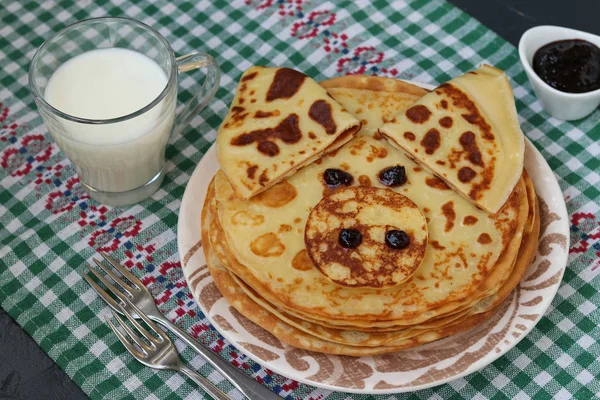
x=571, y=66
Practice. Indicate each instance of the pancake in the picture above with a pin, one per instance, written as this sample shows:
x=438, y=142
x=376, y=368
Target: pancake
x=466, y=132
x=263, y=261
x=464, y=242
x=389, y=231
x=311, y=337
x=501, y=269
x=279, y=121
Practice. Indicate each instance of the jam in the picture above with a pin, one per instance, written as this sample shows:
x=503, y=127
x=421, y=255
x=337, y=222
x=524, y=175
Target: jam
x=571, y=66
x=349, y=238
x=393, y=176
x=336, y=177
x=397, y=239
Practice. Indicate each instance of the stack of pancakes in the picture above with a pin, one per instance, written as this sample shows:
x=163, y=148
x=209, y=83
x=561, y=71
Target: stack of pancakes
x=276, y=254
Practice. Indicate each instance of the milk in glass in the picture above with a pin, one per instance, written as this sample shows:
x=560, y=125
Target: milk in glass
x=104, y=84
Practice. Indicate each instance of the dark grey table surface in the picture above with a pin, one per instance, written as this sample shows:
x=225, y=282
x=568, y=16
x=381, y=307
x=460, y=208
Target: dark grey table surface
x=26, y=372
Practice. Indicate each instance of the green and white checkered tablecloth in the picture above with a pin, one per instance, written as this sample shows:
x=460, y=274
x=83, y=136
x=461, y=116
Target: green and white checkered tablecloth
x=49, y=228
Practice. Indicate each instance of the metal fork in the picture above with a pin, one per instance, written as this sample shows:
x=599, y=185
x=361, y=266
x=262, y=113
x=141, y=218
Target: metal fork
x=157, y=353
x=137, y=293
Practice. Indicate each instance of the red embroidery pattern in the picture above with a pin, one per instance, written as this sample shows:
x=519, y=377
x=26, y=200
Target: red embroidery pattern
x=3, y=112
x=585, y=236
x=64, y=199
x=313, y=24
x=363, y=61
x=323, y=31
x=32, y=152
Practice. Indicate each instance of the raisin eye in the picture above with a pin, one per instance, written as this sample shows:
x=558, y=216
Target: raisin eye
x=350, y=238
x=396, y=239
x=336, y=177
x=393, y=176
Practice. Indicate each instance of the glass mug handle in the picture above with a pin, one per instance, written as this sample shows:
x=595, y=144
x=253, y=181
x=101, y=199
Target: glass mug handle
x=207, y=91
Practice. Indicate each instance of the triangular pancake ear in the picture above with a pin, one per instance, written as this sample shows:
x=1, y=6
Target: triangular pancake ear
x=280, y=120
x=467, y=133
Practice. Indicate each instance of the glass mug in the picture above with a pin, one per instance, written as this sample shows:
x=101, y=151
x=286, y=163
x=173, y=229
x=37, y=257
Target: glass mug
x=121, y=160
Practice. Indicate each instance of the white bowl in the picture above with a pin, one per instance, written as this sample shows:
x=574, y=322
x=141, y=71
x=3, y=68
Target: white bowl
x=561, y=105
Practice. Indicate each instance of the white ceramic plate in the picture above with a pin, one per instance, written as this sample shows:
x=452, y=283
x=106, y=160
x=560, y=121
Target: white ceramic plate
x=418, y=368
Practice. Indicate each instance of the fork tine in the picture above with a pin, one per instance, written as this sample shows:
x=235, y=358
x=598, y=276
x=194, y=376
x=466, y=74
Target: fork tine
x=132, y=335
x=111, y=302
x=147, y=320
x=143, y=331
x=114, y=276
x=132, y=278
x=109, y=285
x=132, y=350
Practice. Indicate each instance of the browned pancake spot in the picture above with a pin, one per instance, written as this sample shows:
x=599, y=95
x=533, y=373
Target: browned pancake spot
x=436, y=183
x=284, y=228
x=263, y=178
x=249, y=77
x=242, y=218
x=473, y=116
x=440, y=162
x=364, y=180
x=301, y=261
x=297, y=220
x=267, y=245
x=470, y=220
x=418, y=114
x=466, y=174
x=320, y=112
x=484, y=238
x=312, y=135
x=436, y=245
x=251, y=171
x=287, y=130
x=448, y=211
x=268, y=148
x=277, y=196
x=237, y=116
x=286, y=83
x=467, y=141
x=446, y=122
x=377, y=135
x=444, y=104
x=409, y=136
x=431, y=141
x=417, y=169
x=266, y=114
x=376, y=152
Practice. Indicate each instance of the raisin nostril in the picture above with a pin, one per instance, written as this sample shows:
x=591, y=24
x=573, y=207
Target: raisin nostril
x=397, y=239
x=350, y=238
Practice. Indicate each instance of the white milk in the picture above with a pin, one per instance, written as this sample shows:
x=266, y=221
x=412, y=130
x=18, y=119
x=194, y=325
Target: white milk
x=109, y=83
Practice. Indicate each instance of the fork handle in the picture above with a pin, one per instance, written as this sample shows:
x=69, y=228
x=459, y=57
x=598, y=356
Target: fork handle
x=245, y=384
x=204, y=383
